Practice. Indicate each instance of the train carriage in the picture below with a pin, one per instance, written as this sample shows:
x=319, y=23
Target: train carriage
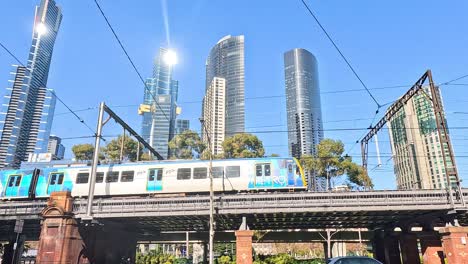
x=165, y=177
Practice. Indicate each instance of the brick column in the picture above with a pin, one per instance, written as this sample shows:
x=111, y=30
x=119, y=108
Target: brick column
x=431, y=248
x=244, y=246
x=60, y=241
x=392, y=250
x=454, y=243
x=409, y=248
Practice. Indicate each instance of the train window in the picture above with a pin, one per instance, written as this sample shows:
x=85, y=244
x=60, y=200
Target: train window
x=127, y=176
x=267, y=169
x=56, y=178
x=199, y=173
x=99, y=177
x=112, y=176
x=290, y=168
x=232, y=171
x=159, y=176
x=258, y=170
x=14, y=181
x=184, y=173
x=82, y=177
x=218, y=172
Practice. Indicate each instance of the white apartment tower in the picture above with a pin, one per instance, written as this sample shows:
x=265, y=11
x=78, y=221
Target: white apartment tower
x=214, y=115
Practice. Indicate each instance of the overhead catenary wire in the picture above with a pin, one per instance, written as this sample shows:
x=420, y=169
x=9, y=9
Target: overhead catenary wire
x=341, y=54
x=130, y=59
x=52, y=92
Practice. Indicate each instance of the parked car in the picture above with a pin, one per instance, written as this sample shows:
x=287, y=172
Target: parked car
x=353, y=260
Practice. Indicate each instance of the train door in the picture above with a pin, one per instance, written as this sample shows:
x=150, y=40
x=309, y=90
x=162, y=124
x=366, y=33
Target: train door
x=12, y=188
x=55, y=182
x=263, y=175
x=291, y=173
x=155, y=179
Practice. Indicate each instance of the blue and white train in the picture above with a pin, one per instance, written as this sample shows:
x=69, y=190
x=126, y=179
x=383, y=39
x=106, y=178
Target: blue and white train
x=157, y=177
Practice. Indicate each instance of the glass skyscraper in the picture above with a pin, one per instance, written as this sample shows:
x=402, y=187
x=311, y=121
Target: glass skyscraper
x=304, y=114
x=181, y=126
x=226, y=60
x=26, y=118
x=158, y=123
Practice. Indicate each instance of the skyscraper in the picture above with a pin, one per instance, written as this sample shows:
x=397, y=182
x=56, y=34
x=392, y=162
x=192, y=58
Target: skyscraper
x=158, y=124
x=181, y=126
x=303, y=106
x=304, y=113
x=226, y=60
x=26, y=119
x=214, y=111
x=56, y=148
x=416, y=149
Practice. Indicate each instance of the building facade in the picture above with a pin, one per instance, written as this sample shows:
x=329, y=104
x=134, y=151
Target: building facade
x=56, y=148
x=303, y=107
x=226, y=60
x=181, y=126
x=416, y=149
x=159, y=117
x=27, y=114
x=214, y=105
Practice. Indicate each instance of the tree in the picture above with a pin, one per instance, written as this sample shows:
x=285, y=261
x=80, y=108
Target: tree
x=83, y=151
x=331, y=163
x=113, y=148
x=185, y=145
x=243, y=146
x=274, y=155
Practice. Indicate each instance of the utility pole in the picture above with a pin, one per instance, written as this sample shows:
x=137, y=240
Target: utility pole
x=92, y=179
x=211, y=235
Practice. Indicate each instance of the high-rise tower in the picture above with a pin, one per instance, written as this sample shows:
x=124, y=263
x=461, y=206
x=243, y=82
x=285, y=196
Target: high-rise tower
x=226, y=60
x=304, y=114
x=158, y=124
x=26, y=119
x=214, y=110
x=303, y=107
x=416, y=148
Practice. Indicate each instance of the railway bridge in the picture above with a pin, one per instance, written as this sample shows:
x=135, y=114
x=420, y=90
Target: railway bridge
x=119, y=222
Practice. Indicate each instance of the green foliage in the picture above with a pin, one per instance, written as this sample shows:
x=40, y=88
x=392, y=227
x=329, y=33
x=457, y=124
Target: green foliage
x=83, y=151
x=274, y=155
x=112, y=149
x=225, y=260
x=330, y=163
x=243, y=146
x=185, y=145
x=156, y=257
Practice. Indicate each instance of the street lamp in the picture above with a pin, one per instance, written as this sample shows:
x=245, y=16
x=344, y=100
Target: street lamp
x=211, y=235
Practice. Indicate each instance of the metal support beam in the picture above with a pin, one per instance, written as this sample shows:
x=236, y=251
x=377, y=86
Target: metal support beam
x=132, y=132
x=442, y=130
x=392, y=110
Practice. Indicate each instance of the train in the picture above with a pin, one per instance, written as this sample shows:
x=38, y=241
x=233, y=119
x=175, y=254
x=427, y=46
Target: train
x=155, y=177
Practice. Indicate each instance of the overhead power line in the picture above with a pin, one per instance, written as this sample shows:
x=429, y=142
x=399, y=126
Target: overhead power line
x=341, y=54
x=54, y=94
x=129, y=58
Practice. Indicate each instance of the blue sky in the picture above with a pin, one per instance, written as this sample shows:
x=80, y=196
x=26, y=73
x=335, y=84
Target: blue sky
x=390, y=43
